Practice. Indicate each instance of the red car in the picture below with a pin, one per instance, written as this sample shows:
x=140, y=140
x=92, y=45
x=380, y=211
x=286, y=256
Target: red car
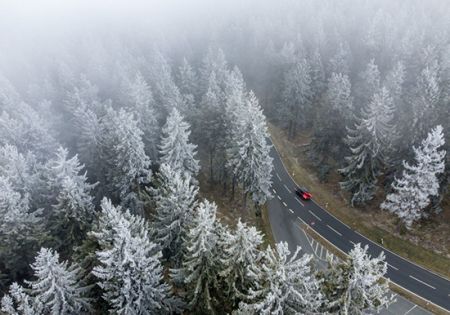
x=303, y=193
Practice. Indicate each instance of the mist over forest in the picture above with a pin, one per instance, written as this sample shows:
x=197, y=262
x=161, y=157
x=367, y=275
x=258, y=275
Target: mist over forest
x=114, y=115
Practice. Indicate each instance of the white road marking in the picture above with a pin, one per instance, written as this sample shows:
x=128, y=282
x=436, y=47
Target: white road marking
x=274, y=191
x=422, y=282
x=315, y=215
x=284, y=203
x=411, y=309
x=291, y=210
x=279, y=197
x=353, y=243
x=392, y=267
x=299, y=202
x=301, y=220
x=279, y=178
x=287, y=188
x=334, y=230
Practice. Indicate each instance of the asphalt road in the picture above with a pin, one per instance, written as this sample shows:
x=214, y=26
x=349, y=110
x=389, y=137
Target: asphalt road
x=404, y=273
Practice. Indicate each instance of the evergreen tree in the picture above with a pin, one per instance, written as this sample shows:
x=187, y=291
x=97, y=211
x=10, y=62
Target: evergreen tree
x=354, y=286
x=368, y=142
x=369, y=83
x=73, y=210
x=297, y=94
x=318, y=82
x=286, y=284
x=340, y=62
x=127, y=167
x=175, y=200
x=57, y=285
x=200, y=266
x=241, y=251
x=130, y=272
x=249, y=157
x=419, y=180
x=175, y=149
x=141, y=103
x=426, y=98
x=329, y=131
x=18, y=302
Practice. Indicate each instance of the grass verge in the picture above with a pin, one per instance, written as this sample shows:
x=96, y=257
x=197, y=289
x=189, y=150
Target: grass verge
x=362, y=221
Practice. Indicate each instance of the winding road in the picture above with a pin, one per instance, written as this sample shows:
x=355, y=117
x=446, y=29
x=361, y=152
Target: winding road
x=417, y=280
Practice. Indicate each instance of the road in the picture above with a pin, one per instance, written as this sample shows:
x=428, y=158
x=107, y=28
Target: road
x=404, y=273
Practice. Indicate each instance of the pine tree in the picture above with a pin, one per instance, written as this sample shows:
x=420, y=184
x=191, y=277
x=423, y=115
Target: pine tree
x=210, y=128
x=368, y=142
x=241, y=250
x=57, y=286
x=166, y=93
x=318, y=82
x=426, y=99
x=200, y=266
x=369, y=83
x=18, y=302
x=286, y=284
x=249, y=157
x=419, y=180
x=175, y=149
x=73, y=210
x=127, y=167
x=297, y=94
x=88, y=144
x=141, y=103
x=130, y=272
x=354, y=286
x=329, y=131
x=340, y=62
x=175, y=200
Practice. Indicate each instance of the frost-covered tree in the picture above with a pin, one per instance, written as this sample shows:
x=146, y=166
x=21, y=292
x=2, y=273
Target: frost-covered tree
x=419, y=181
x=129, y=269
x=329, y=130
x=241, y=250
x=175, y=149
x=57, y=286
x=248, y=155
x=340, y=62
x=369, y=83
x=285, y=284
x=175, y=200
x=126, y=165
x=297, y=94
x=318, y=82
x=88, y=144
x=426, y=99
x=189, y=88
x=394, y=82
x=355, y=285
x=73, y=208
x=200, y=266
x=368, y=142
x=19, y=302
x=141, y=103
x=166, y=93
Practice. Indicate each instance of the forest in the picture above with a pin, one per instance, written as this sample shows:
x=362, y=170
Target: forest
x=112, y=119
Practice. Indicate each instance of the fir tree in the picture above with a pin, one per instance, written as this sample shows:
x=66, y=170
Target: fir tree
x=353, y=286
x=73, y=210
x=419, y=181
x=241, y=251
x=175, y=149
x=297, y=94
x=285, y=284
x=200, y=268
x=367, y=143
x=175, y=200
x=57, y=286
x=127, y=167
x=130, y=272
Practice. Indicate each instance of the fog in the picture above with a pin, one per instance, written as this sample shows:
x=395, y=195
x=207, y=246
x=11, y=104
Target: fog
x=93, y=94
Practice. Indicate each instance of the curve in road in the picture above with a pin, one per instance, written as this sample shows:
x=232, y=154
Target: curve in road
x=402, y=272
